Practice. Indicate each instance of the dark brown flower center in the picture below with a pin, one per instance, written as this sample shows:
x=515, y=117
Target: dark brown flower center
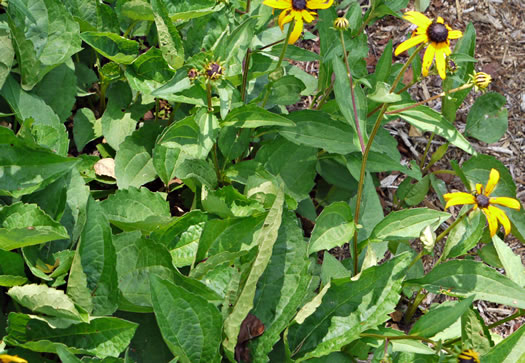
x=299, y=4
x=437, y=32
x=482, y=201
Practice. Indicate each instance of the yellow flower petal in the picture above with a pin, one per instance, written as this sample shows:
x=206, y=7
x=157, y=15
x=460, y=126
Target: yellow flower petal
x=417, y=18
x=297, y=28
x=479, y=188
x=458, y=198
x=6, y=358
x=492, y=220
x=407, y=44
x=307, y=16
x=428, y=58
x=278, y=4
x=454, y=34
x=440, y=20
x=502, y=218
x=506, y=202
x=319, y=4
x=493, y=181
x=441, y=65
x=286, y=16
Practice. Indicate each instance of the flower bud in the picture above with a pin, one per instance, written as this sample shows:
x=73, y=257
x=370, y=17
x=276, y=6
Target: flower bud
x=193, y=73
x=480, y=80
x=341, y=23
x=213, y=71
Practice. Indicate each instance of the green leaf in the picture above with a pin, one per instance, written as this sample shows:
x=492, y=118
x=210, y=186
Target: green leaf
x=11, y=263
x=384, y=64
x=10, y=280
x=44, y=34
x=112, y=46
x=265, y=241
x=229, y=202
x=232, y=142
x=116, y=124
x=147, y=344
x=426, y=119
x=133, y=161
x=488, y=113
x=465, y=235
x=235, y=44
x=417, y=192
x=102, y=336
x=440, y=317
x=318, y=129
x=232, y=235
x=408, y=223
x=149, y=72
x=77, y=286
x=463, y=278
x=294, y=164
x=474, y=333
x=169, y=39
x=252, y=116
x=286, y=91
x=171, y=234
x=187, y=136
x=41, y=122
x=26, y=225
x=46, y=300
x=341, y=316
x=185, y=10
x=512, y=264
x=98, y=260
x=382, y=94
x=333, y=228
x=190, y=325
x=137, y=259
x=86, y=127
x=510, y=350
x=58, y=89
x=332, y=268
x=133, y=208
x=200, y=171
x=8, y=53
x=282, y=287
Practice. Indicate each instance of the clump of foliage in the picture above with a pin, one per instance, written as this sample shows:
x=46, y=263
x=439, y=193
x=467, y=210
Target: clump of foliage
x=161, y=201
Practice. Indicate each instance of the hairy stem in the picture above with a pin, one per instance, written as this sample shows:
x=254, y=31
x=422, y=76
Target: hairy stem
x=352, y=92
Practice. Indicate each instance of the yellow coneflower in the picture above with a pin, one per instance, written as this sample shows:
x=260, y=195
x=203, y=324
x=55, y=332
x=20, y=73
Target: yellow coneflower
x=298, y=10
x=469, y=356
x=482, y=200
x=437, y=34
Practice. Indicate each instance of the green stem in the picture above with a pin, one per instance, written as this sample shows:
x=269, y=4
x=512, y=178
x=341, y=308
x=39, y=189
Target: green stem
x=362, y=182
x=446, y=232
x=425, y=153
x=413, y=306
x=281, y=57
x=352, y=92
x=208, y=94
x=325, y=96
x=405, y=67
x=461, y=88
x=403, y=337
x=397, y=92
x=245, y=70
x=248, y=3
